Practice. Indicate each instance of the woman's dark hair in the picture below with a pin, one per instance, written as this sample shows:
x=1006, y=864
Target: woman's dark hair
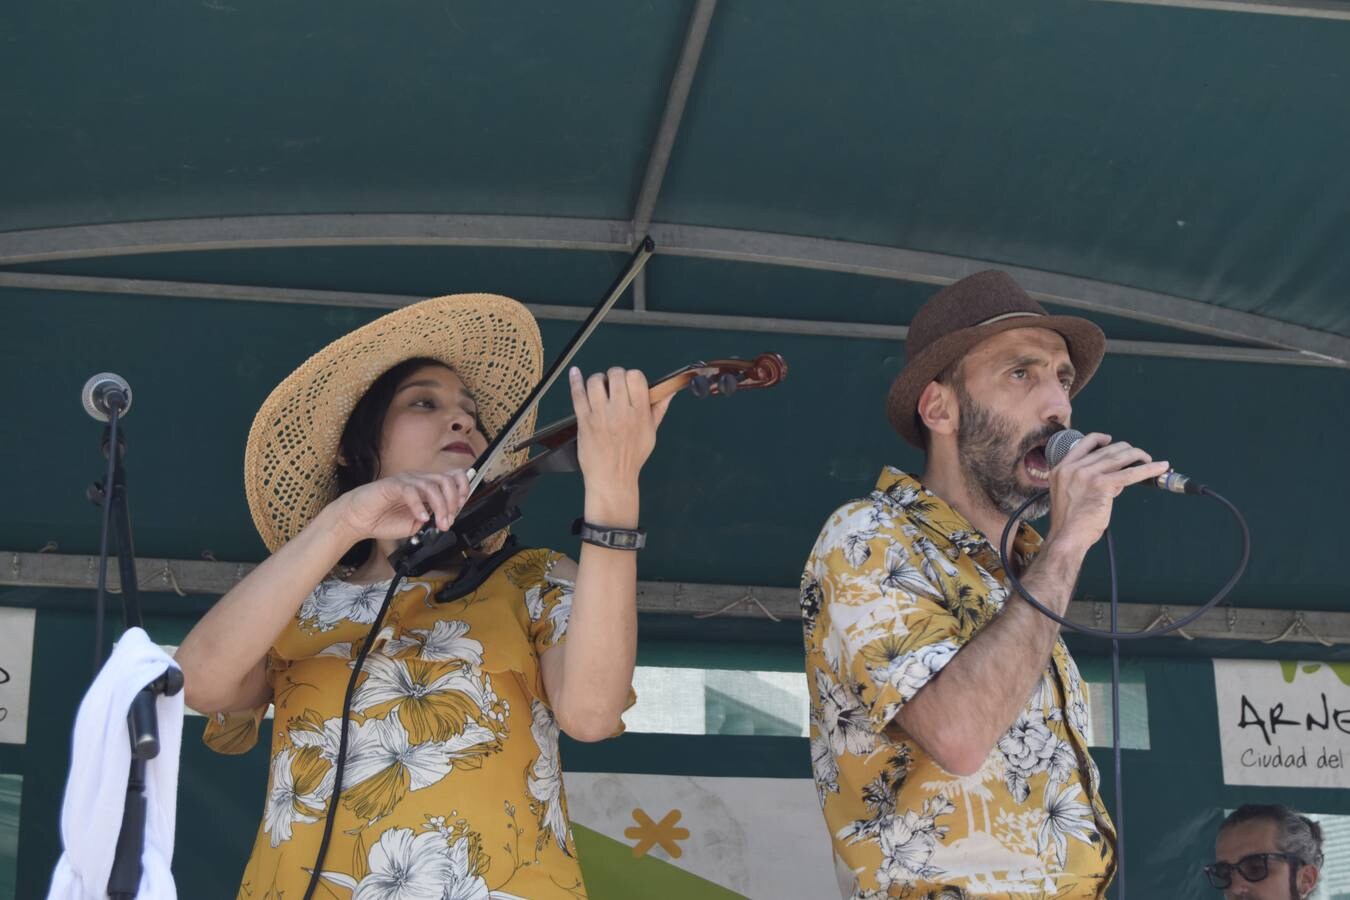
x=359, y=448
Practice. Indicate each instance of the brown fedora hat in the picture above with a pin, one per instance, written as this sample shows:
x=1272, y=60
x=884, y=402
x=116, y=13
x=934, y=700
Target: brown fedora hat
x=961, y=315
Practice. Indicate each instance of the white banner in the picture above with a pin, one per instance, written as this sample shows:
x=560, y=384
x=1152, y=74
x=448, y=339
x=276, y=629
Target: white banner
x=1284, y=724
x=757, y=837
x=16, y=670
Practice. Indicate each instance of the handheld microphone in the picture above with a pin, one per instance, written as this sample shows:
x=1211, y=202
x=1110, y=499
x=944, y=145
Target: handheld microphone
x=105, y=392
x=1061, y=442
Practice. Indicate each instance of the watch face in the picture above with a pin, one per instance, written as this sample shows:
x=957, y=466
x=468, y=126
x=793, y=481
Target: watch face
x=614, y=538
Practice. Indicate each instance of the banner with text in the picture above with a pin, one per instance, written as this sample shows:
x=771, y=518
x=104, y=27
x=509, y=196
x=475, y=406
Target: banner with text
x=16, y=666
x=1284, y=724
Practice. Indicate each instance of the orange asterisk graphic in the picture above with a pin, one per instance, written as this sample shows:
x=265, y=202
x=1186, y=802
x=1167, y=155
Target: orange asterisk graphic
x=648, y=833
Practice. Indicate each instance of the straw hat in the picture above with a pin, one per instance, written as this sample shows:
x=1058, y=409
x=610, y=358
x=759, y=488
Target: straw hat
x=290, y=462
x=962, y=315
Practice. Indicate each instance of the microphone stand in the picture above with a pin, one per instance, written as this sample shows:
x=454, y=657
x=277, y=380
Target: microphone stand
x=142, y=724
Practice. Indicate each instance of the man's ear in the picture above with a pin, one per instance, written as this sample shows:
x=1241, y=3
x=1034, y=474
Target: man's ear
x=1307, y=879
x=937, y=409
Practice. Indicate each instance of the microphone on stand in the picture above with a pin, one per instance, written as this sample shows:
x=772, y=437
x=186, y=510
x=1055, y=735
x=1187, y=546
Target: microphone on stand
x=105, y=392
x=1061, y=442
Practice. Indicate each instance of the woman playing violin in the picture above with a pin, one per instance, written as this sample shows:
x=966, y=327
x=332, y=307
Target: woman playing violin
x=452, y=784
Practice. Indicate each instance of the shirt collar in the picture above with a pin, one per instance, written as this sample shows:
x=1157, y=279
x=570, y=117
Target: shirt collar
x=945, y=525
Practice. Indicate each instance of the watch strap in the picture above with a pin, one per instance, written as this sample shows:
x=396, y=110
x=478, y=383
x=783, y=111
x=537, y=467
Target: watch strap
x=613, y=538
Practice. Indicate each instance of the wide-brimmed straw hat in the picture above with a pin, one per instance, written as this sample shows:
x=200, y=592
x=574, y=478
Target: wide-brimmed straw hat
x=962, y=315
x=290, y=462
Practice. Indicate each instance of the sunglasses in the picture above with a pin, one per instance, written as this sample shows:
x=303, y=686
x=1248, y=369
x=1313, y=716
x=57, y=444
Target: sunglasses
x=1253, y=867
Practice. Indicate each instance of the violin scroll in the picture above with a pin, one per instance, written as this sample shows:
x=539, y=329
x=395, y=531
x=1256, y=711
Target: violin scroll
x=718, y=377
x=723, y=377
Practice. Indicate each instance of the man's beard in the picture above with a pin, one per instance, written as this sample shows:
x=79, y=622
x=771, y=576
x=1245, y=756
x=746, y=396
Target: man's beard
x=989, y=453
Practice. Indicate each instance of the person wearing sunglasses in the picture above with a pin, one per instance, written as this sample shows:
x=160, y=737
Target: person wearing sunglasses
x=1266, y=852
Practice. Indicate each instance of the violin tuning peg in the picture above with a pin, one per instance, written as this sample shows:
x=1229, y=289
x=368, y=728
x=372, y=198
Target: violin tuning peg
x=727, y=384
x=700, y=386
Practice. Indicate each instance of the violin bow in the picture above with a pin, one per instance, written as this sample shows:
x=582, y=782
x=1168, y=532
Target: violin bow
x=501, y=445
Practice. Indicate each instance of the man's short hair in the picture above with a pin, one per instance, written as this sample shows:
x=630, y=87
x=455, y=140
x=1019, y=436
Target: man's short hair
x=1296, y=834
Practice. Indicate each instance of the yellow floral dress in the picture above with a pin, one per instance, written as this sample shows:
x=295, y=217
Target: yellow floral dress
x=896, y=585
x=453, y=786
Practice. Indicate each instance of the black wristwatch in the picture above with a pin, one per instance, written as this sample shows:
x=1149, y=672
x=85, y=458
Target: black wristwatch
x=613, y=538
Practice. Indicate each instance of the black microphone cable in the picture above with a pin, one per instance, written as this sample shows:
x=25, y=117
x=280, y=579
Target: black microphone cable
x=340, y=763
x=1115, y=636
x=106, y=397
x=101, y=595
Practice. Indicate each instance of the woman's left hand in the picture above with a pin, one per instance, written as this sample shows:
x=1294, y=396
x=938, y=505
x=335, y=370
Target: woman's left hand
x=616, y=426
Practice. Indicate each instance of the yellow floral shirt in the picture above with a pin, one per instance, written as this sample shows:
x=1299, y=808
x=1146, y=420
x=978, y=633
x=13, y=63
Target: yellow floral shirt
x=453, y=786
x=896, y=584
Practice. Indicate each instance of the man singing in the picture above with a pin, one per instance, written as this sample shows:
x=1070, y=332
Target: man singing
x=948, y=721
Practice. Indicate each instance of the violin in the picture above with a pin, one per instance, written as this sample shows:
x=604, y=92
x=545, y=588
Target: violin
x=718, y=377
x=496, y=504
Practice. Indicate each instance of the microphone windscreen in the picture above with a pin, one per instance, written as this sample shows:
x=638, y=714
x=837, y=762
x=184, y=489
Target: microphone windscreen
x=1059, y=445
x=95, y=391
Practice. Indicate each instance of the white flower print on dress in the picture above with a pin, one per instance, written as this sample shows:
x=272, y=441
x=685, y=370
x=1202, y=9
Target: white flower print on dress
x=285, y=805
x=545, y=776
x=463, y=884
x=383, y=764
x=404, y=865
x=309, y=731
x=431, y=738
x=333, y=601
x=551, y=599
x=435, y=699
x=446, y=641
x=338, y=650
x=537, y=604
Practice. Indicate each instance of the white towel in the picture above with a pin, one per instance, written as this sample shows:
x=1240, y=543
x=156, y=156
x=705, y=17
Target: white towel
x=91, y=814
